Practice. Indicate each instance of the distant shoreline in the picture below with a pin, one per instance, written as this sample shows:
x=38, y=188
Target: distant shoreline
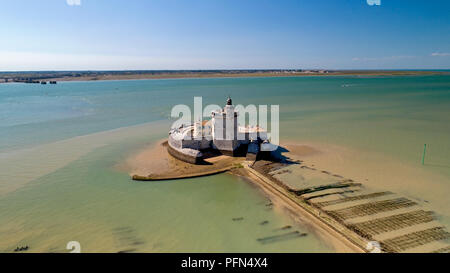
x=37, y=77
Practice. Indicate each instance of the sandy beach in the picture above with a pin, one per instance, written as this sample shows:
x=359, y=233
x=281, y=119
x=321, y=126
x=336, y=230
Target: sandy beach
x=325, y=207
x=154, y=159
x=394, y=191
x=377, y=171
x=330, y=234
x=155, y=163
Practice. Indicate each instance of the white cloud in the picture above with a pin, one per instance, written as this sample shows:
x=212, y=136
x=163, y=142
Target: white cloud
x=73, y=2
x=439, y=54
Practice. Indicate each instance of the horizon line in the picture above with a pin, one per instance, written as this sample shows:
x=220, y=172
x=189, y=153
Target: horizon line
x=234, y=69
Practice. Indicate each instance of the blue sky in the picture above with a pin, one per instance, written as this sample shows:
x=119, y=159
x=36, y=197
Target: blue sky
x=224, y=34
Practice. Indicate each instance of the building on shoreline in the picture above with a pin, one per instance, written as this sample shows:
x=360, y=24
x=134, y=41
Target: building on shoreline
x=222, y=134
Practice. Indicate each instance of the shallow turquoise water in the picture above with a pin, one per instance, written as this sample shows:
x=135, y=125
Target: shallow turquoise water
x=56, y=187
x=89, y=202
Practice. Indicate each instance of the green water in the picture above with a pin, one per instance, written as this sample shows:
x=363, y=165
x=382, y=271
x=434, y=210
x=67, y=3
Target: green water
x=56, y=186
x=90, y=202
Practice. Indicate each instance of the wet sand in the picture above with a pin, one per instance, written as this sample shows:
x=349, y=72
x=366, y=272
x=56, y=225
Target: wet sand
x=155, y=163
x=338, y=204
x=377, y=171
x=280, y=200
x=366, y=197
